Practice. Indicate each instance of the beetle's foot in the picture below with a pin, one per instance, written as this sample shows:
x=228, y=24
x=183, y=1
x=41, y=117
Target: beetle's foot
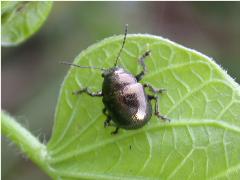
x=75, y=93
x=79, y=91
x=116, y=131
x=162, y=117
x=106, y=124
x=161, y=90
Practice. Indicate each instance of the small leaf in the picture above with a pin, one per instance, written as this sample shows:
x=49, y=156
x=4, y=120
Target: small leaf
x=203, y=102
x=20, y=20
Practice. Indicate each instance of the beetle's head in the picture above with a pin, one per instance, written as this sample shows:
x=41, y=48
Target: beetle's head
x=112, y=71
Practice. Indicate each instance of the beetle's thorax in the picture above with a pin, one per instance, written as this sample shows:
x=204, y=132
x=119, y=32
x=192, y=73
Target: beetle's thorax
x=116, y=78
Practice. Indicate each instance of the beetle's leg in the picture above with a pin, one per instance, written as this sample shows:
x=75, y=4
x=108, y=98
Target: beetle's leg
x=157, y=113
x=141, y=60
x=156, y=93
x=154, y=90
x=86, y=90
x=116, y=131
x=107, y=122
x=104, y=111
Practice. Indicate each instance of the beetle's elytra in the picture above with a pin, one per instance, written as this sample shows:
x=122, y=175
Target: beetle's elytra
x=126, y=103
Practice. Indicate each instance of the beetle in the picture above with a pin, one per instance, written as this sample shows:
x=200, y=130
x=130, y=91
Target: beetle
x=126, y=103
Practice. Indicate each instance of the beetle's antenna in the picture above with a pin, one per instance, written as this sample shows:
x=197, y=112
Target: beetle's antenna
x=124, y=40
x=90, y=67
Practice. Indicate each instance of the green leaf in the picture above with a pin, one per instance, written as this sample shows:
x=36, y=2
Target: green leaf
x=203, y=102
x=20, y=20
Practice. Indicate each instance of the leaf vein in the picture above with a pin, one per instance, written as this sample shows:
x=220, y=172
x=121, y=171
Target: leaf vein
x=219, y=124
x=180, y=165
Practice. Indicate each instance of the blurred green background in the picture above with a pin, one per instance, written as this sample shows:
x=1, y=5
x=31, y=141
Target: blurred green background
x=31, y=74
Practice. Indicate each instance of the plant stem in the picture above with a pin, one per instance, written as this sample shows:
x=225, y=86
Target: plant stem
x=27, y=142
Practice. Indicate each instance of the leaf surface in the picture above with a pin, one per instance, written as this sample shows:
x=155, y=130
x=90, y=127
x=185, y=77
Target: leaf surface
x=203, y=102
x=20, y=20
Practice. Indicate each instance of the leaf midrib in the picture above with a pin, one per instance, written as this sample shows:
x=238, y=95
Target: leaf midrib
x=84, y=175
x=186, y=123
x=117, y=177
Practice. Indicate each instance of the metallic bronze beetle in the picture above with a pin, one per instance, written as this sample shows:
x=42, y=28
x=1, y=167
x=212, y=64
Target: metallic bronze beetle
x=126, y=102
